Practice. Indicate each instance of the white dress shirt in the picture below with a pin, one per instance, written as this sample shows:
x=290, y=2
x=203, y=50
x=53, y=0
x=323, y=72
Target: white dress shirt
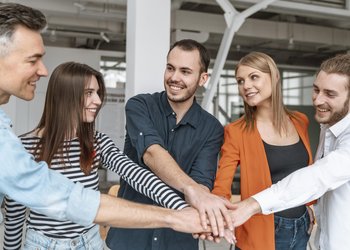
x=328, y=179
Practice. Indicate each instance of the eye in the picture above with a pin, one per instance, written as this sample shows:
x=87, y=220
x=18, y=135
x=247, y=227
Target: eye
x=240, y=81
x=254, y=77
x=331, y=94
x=89, y=93
x=316, y=90
x=32, y=61
x=169, y=68
x=186, y=72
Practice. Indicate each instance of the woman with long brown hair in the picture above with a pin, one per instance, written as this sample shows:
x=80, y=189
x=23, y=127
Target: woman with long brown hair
x=66, y=138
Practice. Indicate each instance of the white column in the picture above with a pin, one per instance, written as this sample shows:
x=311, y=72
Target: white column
x=148, y=41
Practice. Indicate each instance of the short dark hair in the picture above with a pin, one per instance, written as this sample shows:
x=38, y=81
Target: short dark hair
x=13, y=15
x=190, y=45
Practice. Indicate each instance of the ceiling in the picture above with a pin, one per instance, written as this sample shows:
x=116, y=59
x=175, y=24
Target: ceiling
x=299, y=33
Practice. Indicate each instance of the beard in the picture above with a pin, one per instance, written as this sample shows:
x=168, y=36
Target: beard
x=187, y=92
x=338, y=115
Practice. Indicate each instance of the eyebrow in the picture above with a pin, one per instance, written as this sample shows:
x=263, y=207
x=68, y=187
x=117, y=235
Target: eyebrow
x=182, y=68
x=327, y=90
x=254, y=72
x=37, y=55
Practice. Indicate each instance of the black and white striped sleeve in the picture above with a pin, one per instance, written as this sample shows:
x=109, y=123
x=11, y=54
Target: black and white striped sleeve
x=142, y=180
x=15, y=216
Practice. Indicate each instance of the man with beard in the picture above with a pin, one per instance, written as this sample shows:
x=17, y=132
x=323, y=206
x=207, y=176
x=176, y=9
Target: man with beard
x=169, y=133
x=328, y=180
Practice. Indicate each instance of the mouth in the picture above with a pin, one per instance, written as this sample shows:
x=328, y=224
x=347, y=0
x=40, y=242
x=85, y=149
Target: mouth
x=92, y=110
x=322, y=110
x=33, y=83
x=251, y=94
x=175, y=87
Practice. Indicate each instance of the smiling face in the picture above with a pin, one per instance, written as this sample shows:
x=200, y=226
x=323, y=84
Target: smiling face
x=183, y=75
x=330, y=97
x=92, y=100
x=22, y=66
x=254, y=86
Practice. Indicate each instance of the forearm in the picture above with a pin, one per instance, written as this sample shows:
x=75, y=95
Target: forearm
x=118, y=212
x=166, y=168
x=140, y=179
x=245, y=209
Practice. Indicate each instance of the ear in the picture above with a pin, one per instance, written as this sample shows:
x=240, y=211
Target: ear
x=203, y=78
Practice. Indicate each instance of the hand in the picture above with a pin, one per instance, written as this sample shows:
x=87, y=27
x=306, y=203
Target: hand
x=312, y=219
x=243, y=210
x=210, y=207
x=187, y=220
x=229, y=236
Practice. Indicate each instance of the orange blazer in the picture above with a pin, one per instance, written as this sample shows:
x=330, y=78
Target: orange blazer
x=245, y=148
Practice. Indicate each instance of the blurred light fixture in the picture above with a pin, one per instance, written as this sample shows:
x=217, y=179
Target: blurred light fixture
x=291, y=43
x=79, y=5
x=53, y=36
x=105, y=37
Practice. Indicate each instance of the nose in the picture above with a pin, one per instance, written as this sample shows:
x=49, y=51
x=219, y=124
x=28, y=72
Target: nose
x=42, y=70
x=97, y=99
x=174, y=76
x=247, y=84
x=318, y=99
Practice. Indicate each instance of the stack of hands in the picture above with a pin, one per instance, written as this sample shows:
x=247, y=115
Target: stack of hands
x=219, y=217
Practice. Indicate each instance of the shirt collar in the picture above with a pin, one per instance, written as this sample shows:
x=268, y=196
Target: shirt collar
x=340, y=126
x=191, y=117
x=4, y=119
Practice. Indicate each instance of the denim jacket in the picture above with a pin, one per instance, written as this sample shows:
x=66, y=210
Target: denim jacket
x=34, y=185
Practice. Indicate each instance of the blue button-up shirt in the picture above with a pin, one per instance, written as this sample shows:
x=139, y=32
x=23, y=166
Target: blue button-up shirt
x=194, y=143
x=36, y=186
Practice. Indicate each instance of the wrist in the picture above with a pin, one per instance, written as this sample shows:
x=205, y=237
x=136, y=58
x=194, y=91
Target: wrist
x=170, y=219
x=253, y=206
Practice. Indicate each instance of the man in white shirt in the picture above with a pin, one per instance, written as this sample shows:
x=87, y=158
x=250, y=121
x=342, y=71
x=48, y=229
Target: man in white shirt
x=329, y=178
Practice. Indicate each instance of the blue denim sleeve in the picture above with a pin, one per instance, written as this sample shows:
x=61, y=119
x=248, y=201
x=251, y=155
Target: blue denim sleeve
x=140, y=127
x=45, y=191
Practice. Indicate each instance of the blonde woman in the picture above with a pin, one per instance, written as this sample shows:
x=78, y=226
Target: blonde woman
x=268, y=142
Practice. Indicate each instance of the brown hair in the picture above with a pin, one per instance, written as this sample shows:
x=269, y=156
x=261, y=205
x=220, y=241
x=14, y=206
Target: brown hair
x=340, y=64
x=62, y=117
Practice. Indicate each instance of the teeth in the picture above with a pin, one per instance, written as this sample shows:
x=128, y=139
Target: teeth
x=92, y=110
x=250, y=94
x=175, y=87
x=322, y=110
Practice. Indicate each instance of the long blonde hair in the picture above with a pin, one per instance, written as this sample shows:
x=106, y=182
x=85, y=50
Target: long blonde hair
x=266, y=64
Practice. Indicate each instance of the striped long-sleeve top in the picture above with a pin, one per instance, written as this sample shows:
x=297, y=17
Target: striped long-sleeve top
x=68, y=164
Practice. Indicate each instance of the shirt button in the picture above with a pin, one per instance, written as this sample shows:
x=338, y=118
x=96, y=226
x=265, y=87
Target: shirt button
x=174, y=113
x=141, y=133
x=172, y=130
x=155, y=238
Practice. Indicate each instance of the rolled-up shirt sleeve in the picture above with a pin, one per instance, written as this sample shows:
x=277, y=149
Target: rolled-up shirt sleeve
x=139, y=126
x=45, y=191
